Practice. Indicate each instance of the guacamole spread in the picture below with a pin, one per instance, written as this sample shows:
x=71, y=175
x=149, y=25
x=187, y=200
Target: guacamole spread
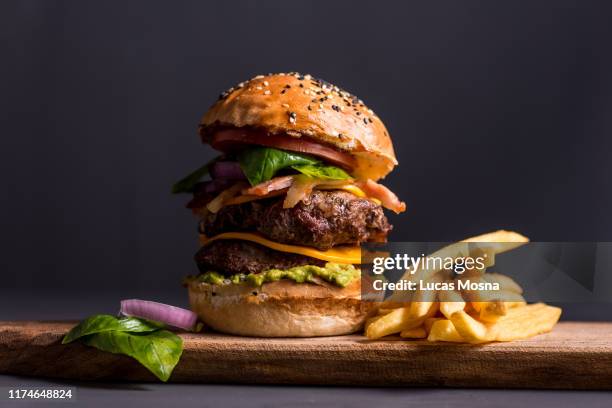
x=338, y=274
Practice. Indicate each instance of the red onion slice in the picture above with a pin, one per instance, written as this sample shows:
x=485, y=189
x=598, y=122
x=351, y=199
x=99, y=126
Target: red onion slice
x=159, y=312
x=226, y=170
x=213, y=186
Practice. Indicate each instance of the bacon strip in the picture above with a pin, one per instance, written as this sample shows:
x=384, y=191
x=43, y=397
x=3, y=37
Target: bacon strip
x=388, y=199
x=277, y=183
x=246, y=198
x=298, y=188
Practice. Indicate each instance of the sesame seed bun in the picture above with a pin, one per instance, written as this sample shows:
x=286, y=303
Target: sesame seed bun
x=302, y=106
x=280, y=309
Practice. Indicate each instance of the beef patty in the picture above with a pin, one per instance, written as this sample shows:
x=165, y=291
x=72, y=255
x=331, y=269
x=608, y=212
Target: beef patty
x=323, y=220
x=230, y=257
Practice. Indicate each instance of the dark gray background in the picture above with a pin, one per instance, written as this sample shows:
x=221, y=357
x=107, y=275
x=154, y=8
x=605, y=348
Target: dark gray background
x=500, y=113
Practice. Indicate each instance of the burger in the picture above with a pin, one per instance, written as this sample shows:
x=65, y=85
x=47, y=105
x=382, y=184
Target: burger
x=290, y=199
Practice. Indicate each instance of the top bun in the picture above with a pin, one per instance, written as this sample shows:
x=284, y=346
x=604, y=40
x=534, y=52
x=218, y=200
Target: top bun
x=300, y=105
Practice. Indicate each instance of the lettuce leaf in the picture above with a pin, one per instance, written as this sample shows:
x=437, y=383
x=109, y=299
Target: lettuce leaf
x=145, y=341
x=187, y=183
x=158, y=351
x=321, y=171
x=104, y=323
x=260, y=164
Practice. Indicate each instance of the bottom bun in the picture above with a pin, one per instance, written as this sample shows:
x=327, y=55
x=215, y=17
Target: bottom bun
x=280, y=309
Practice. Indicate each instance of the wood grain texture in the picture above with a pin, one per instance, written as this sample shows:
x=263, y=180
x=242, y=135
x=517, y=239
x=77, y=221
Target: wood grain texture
x=573, y=356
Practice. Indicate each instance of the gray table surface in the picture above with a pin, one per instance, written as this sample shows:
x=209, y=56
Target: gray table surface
x=189, y=395
x=49, y=305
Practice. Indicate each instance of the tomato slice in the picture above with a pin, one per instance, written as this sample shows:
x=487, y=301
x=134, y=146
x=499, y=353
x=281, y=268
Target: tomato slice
x=228, y=140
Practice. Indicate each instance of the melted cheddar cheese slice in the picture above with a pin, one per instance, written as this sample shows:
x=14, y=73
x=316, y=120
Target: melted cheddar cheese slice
x=340, y=254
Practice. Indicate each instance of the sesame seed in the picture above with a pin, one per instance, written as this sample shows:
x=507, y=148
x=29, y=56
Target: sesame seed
x=266, y=83
x=267, y=92
x=258, y=77
x=292, y=117
x=285, y=105
x=259, y=88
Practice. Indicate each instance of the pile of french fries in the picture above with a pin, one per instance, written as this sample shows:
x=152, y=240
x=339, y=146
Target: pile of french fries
x=465, y=316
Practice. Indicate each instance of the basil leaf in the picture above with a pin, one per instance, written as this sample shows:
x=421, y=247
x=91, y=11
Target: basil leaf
x=158, y=351
x=260, y=164
x=187, y=183
x=322, y=172
x=105, y=323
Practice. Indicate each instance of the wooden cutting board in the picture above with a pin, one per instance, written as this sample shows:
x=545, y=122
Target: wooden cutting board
x=573, y=356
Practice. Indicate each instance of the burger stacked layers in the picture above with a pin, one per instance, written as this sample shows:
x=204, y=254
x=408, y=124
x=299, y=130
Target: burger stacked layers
x=291, y=197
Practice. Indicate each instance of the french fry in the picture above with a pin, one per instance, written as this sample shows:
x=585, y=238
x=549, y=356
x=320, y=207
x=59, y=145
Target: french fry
x=487, y=254
x=416, y=333
x=527, y=321
x=451, y=301
x=429, y=322
x=389, y=304
x=506, y=283
x=371, y=320
x=419, y=311
x=391, y=323
x=471, y=329
x=490, y=312
x=448, y=308
x=512, y=305
x=444, y=330
x=499, y=241
x=425, y=300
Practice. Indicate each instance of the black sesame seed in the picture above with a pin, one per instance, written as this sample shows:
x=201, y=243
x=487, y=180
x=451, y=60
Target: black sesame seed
x=365, y=120
x=370, y=119
x=358, y=113
x=309, y=108
x=254, y=293
x=283, y=91
x=336, y=108
x=322, y=99
x=287, y=86
x=301, y=85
